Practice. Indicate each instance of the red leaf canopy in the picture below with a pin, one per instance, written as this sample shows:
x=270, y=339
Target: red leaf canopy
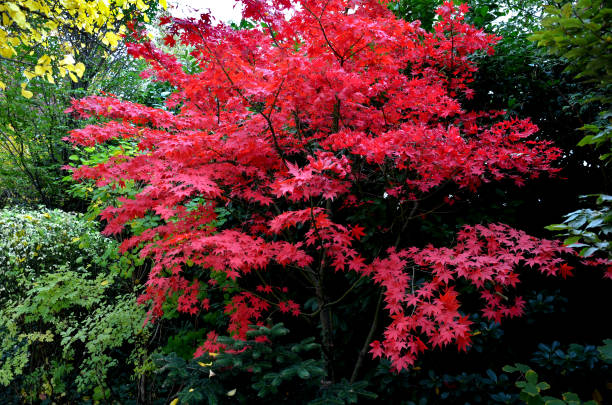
x=290, y=121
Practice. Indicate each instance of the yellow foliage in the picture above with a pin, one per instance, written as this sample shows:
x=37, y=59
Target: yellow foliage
x=91, y=16
x=24, y=92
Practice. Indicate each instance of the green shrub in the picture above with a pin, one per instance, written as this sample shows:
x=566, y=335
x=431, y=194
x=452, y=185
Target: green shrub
x=38, y=242
x=69, y=323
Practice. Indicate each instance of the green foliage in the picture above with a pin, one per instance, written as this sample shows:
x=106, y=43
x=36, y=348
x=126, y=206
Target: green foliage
x=262, y=369
x=32, y=152
x=31, y=149
x=605, y=351
x=412, y=10
x=580, y=32
x=34, y=243
x=589, y=229
x=68, y=322
x=571, y=361
x=566, y=367
x=184, y=342
x=344, y=392
x=100, y=197
x=532, y=389
x=269, y=371
x=599, y=134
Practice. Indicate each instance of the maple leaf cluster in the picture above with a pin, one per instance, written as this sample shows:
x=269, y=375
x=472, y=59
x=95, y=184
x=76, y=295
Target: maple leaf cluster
x=289, y=122
x=427, y=314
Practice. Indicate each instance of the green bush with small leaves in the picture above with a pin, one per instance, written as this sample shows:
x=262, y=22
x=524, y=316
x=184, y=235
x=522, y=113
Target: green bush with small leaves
x=69, y=321
x=38, y=242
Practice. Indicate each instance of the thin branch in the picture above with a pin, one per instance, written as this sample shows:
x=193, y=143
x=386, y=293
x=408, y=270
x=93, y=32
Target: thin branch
x=246, y=100
x=318, y=19
x=366, y=344
x=351, y=288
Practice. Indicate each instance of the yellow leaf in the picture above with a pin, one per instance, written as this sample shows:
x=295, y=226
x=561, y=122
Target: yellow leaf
x=190, y=389
x=36, y=36
x=26, y=93
x=28, y=74
x=68, y=60
x=17, y=15
x=52, y=25
x=103, y=8
x=174, y=401
x=44, y=60
x=164, y=4
x=79, y=68
x=6, y=51
x=50, y=78
x=103, y=283
x=2, y=85
x=205, y=364
x=73, y=77
x=110, y=38
x=231, y=393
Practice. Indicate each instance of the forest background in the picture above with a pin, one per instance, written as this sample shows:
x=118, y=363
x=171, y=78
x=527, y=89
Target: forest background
x=71, y=327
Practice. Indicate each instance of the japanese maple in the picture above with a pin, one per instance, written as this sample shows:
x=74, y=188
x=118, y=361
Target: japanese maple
x=298, y=124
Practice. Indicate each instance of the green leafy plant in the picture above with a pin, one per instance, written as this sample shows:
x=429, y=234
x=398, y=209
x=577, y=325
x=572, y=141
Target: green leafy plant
x=69, y=323
x=580, y=32
x=532, y=389
x=38, y=242
x=589, y=229
x=262, y=369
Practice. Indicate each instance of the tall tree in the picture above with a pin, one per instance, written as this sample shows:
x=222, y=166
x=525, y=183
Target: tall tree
x=62, y=50
x=27, y=24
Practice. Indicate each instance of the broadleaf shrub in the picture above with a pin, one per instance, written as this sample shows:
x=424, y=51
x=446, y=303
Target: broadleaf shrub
x=35, y=243
x=69, y=323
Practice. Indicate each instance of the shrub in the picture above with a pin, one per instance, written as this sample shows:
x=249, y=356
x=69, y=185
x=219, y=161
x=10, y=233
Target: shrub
x=38, y=242
x=69, y=323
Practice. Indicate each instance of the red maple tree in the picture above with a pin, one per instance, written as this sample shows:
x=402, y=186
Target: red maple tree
x=297, y=124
